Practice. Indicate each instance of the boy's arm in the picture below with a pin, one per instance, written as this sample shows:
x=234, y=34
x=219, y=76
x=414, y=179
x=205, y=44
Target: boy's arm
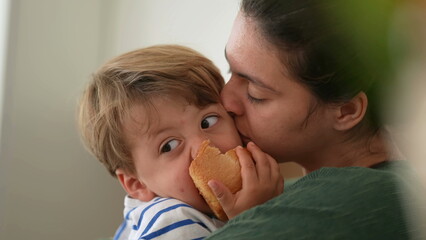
x=261, y=181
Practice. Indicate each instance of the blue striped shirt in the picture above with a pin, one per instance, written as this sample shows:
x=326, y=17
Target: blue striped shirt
x=163, y=218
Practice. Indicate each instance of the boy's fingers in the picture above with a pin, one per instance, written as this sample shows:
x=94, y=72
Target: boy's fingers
x=223, y=195
x=280, y=185
x=248, y=167
x=268, y=169
x=263, y=165
x=276, y=176
x=275, y=168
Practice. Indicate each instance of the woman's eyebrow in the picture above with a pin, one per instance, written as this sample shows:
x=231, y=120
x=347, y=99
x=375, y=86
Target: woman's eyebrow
x=256, y=82
x=251, y=79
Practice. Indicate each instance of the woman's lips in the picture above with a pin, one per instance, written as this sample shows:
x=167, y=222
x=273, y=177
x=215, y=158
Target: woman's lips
x=244, y=139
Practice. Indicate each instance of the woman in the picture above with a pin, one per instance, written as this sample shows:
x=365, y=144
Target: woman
x=302, y=89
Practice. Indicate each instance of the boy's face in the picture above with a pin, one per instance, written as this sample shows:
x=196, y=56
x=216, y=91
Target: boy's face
x=163, y=152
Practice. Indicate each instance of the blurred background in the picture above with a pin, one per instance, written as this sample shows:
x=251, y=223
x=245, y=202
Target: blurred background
x=50, y=186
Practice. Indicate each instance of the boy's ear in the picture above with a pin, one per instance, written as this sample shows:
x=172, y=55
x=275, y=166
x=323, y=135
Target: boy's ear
x=133, y=186
x=351, y=113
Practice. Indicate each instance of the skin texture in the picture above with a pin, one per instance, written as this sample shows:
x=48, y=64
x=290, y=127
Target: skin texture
x=281, y=116
x=162, y=154
x=261, y=181
x=278, y=113
x=271, y=108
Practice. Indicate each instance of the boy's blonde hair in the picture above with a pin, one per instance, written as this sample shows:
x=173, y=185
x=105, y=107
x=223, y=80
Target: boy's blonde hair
x=135, y=78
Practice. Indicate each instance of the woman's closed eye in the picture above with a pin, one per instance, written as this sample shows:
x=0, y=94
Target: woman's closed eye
x=209, y=121
x=253, y=99
x=169, y=146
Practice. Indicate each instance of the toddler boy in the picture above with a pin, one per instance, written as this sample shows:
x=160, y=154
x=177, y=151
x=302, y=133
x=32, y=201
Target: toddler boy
x=143, y=115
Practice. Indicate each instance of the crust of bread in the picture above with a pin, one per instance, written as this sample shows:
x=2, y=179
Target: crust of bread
x=209, y=164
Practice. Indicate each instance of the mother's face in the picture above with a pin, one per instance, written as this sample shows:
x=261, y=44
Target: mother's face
x=270, y=108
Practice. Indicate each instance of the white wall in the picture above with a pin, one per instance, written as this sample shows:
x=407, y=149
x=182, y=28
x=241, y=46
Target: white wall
x=51, y=188
x=203, y=25
x=4, y=18
x=4, y=24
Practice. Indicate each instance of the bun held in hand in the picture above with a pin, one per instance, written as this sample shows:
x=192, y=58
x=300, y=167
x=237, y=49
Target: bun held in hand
x=210, y=164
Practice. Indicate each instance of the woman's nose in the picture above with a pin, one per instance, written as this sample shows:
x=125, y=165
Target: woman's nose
x=231, y=98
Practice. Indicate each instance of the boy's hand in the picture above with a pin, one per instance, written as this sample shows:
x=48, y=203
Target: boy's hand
x=261, y=181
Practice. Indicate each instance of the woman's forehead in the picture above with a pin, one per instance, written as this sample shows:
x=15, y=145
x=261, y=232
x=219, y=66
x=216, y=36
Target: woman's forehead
x=252, y=57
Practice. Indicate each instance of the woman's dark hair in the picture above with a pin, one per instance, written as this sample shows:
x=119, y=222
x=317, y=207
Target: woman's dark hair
x=336, y=48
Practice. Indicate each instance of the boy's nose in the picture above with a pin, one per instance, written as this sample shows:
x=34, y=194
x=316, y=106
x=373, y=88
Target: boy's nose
x=196, y=143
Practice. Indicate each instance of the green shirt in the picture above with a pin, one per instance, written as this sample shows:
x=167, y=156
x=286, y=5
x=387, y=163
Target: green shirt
x=330, y=203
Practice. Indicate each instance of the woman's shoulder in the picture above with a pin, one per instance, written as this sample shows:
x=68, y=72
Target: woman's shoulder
x=349, y=183
x=384, y=172
x=331, y=203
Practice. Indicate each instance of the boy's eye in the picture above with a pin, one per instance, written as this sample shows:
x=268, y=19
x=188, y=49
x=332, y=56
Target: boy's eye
x=170, y=145
x=209, y=121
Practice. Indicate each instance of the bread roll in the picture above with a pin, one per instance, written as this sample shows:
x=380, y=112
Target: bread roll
x=209, y=164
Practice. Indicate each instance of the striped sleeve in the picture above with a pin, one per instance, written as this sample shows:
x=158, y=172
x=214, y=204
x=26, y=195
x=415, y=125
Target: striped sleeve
x=166, y=218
